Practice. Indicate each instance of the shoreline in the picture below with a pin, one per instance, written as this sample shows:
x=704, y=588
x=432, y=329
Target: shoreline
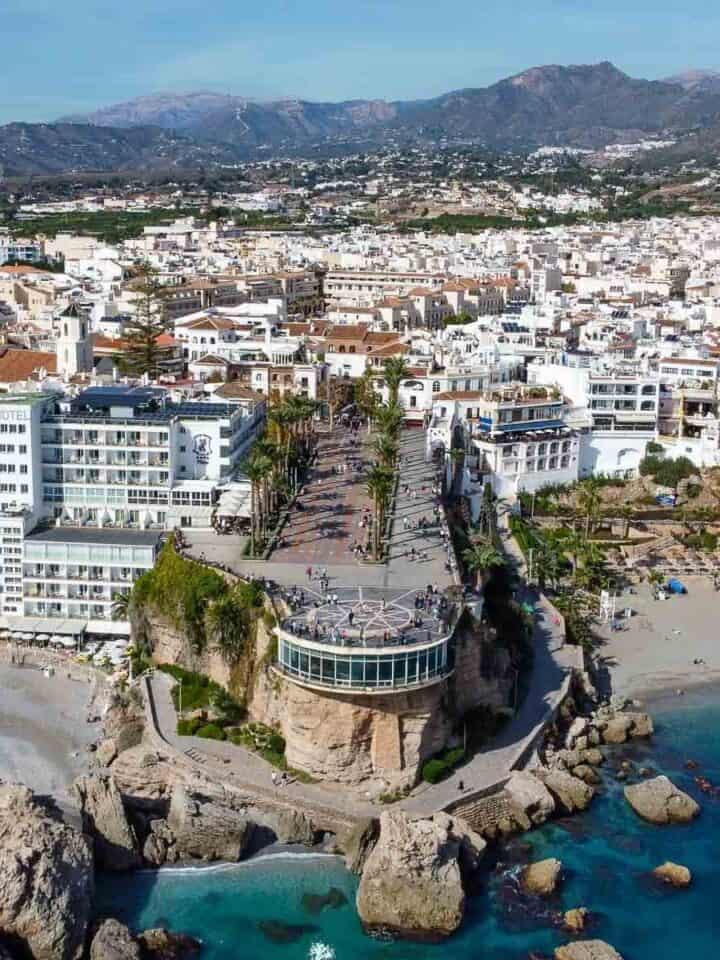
x=45, y=735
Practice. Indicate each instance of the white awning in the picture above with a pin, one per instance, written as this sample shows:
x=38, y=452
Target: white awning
x=51, y=625
x=234, y=503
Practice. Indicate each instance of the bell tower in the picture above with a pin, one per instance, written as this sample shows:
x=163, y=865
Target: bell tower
x=74, y=346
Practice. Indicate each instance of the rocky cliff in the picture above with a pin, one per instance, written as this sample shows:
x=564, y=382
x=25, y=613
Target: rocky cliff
x=379, y=741
x=413, y=881
x=46, y=878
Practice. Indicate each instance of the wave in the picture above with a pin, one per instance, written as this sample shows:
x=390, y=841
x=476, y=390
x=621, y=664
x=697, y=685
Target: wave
x=321, y=951
x=240, y=865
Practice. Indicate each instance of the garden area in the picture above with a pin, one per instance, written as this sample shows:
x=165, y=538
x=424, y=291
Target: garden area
x=207, y=710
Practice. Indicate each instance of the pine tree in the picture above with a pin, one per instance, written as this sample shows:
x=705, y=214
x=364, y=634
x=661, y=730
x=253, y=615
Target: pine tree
x=142, y=353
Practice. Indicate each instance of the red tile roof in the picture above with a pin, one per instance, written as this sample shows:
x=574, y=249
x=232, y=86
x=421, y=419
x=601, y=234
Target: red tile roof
x=18, y=365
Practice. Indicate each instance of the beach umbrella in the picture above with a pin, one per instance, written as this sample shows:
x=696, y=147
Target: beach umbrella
x=27, y=636
x=43, y=637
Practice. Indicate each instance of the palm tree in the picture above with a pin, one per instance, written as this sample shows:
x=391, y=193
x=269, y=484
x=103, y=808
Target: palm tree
x=227, y=627
x=480, y=558
x=389, y=419
x=589, y=502
x=387, y=449
x=379, y=486
x=395, y=371
x=120, y=609
x=549, y=563
x=255, y=470
x=366, y=398
x=573, y=545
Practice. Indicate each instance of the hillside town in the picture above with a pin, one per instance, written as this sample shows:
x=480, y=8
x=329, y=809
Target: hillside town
x=547, y=357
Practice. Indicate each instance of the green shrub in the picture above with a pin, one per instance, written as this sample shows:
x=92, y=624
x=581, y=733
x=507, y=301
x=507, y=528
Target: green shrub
x=440, y=767
x=189, y=727
x=667, y=473
x=211, y=731
x=434, y=771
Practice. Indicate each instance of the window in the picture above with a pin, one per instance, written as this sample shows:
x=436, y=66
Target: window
x=185, y=521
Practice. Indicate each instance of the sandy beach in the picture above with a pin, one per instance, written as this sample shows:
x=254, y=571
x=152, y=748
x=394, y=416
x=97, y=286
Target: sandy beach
x=44, y=731
x=662, y=639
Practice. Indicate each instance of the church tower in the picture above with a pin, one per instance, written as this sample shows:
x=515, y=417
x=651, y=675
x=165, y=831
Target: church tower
x=74, y=346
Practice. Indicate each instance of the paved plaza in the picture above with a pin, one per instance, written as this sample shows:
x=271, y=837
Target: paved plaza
x=321, y=533
x=368, y=616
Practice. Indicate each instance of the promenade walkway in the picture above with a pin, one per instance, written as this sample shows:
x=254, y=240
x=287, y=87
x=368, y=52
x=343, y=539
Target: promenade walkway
x=553, y=664
x=322, y=532
x=242, y=768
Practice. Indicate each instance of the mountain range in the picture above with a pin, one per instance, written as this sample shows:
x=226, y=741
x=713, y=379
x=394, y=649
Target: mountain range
x=585, y=106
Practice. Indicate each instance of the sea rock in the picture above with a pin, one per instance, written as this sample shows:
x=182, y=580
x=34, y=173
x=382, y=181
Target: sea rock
x=641, y=725
x=113, y=941
x=578, y=728
x=593, y=756
x=46, y=878
x=574, y=920
x=587, y=950
x=158, y=844
x=673, y=873
x=412, y=881
x=567, y=759
x=542, y=878
x=616, y=729
x=290, y=826
x=104, y=819
x=587, y=774
x=358, y=844
x=660, y=801
x=205, y=829
x=569, y=792
x=161, y=944
x=531, y=796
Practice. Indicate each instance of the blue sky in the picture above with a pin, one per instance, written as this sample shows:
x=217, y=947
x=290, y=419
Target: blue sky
x=58, y=58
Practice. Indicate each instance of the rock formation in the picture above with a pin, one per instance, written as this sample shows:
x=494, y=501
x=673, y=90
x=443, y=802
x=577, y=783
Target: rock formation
x=412, y=881
x=161, y=944
x=378, y=741
x=541, y=878
x=104, y=819
x=674, y=874
x=113, y=941
x=574, y=920
x=46, y=878
x=660, y=801
x=587, y=950
x=202, y=828
x=530, y=795
x=569, y=792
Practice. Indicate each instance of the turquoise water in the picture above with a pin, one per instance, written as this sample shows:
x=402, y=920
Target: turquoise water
x=260, y=909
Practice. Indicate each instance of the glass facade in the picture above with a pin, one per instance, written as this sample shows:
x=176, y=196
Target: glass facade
x=399, y=669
